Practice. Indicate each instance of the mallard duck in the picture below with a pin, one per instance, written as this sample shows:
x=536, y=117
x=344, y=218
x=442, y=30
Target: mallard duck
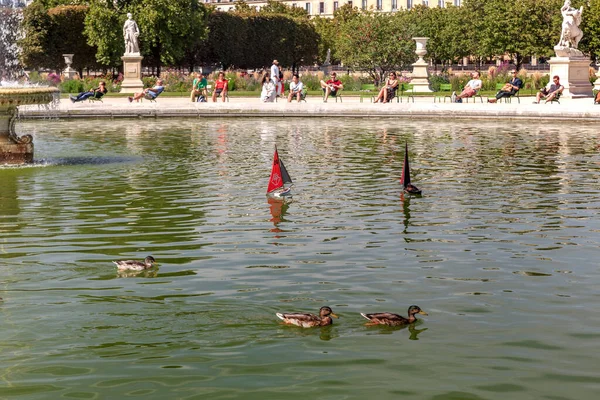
x=306, y=320
x=394, y=319
x=132, y=265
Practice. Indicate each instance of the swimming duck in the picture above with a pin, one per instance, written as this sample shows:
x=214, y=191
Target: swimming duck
x=394, y=319
x=123, y=265
x=306, y=320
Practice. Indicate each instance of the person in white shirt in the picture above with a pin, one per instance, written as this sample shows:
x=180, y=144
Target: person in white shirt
x=275, y=73
x=471, y=88
x=268, y=92
x=296, y=88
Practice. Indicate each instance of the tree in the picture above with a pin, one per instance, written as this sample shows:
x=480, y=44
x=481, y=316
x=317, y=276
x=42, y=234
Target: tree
x=50, y=33
x=376, y=43
x=34, y=43
x=103, y=29
x=168, y=29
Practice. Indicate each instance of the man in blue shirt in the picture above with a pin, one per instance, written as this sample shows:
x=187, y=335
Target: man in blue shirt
x=510, y=89
x=150, y=93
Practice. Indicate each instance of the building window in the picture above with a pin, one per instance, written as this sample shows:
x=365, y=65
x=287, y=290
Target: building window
x=364, y=4
x=350, y=4
x=379, y=4
x=335, y=6
x=394, y=5
x=441, y=3
x=426, y=3
x=294, y=5
x=408, y=4
x=322, y=7
x=457, y=3
x=307, y=8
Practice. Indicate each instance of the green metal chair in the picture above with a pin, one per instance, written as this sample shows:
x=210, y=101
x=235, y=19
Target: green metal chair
x=444, y=93
x=408, y=91
x=367, y=91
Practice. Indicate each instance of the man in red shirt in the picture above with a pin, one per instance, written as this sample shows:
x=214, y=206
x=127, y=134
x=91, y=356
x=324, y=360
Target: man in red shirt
x=331, y=87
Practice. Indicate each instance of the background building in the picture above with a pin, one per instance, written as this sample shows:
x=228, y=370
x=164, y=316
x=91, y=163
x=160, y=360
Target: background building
x=326, y=8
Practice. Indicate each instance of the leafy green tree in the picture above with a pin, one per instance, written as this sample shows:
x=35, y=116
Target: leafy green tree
x=279, y=8
x=590, y=26
x=376, y=43
x=516, y=27
x=169, y=29
x=103, y=28
x=35, y=25
x=50, y=33
x=67, y=37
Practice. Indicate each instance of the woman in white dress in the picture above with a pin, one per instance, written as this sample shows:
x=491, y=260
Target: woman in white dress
x=268, y=93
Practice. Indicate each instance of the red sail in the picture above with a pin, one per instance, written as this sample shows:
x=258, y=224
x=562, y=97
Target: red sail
x=276, y=181
x=405, y=178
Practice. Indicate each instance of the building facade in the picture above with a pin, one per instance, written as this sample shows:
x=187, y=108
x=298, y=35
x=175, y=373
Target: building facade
x=326, y=8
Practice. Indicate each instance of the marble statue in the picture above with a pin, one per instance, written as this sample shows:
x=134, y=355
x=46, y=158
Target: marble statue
x=328, y=58
x=571, y=34
x=130, y=34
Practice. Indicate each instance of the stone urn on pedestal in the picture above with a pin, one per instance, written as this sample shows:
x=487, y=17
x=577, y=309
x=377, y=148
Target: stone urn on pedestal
x=420, y=75
x=69, y=72
x=15, y=149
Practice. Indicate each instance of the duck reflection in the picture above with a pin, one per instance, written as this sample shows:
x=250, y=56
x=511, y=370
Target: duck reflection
x=412, y=330
x=147, y=273
x=278, y=208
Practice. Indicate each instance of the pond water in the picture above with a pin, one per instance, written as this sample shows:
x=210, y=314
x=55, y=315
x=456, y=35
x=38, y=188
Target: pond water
x=501, y=251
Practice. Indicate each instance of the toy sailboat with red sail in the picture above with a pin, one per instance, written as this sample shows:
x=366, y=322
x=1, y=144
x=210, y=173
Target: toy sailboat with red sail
x=405, y=178
x=280, y=183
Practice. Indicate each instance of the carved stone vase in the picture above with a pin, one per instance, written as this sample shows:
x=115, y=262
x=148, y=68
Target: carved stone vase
x=14, y=149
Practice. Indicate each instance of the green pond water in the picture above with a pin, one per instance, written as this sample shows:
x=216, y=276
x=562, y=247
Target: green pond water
x=501, y=251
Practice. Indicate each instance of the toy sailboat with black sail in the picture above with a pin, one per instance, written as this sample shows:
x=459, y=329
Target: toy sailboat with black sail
x=280, y=183
x=405, y=178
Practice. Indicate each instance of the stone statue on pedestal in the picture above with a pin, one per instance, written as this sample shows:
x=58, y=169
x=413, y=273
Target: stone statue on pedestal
x=571, y=34
x=570, y=64
x=130, y=34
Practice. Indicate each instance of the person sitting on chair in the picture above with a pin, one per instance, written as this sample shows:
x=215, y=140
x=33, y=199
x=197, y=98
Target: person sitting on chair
x=296, y=88
x=220, y=87
x=550, y=92
x=199, y=88
x=97, y=93
x=470, y=90
x=149, y=93
x=388, y=92
x=510, y=89
x=331, y=87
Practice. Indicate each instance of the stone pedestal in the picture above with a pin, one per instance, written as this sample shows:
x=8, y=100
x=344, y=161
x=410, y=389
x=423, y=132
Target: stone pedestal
x=15, y=153
x=13, y=150
x=420, y=74
x=574, y=75
x=132, y=74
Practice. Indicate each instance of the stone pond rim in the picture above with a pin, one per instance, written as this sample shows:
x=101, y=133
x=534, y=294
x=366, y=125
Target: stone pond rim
x=14, y=149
